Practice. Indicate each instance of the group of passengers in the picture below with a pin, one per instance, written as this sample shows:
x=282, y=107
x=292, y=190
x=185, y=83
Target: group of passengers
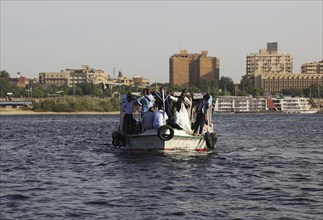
x=161, y=108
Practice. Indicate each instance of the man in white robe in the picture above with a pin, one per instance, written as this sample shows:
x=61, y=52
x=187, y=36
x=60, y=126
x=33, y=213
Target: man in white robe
x=183, y=117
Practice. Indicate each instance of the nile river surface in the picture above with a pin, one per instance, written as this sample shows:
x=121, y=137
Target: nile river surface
x=64, y=167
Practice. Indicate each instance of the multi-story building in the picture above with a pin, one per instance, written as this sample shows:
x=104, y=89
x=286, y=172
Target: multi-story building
x=272, y=71
x=122, y=79
x=56, y=78
x=268, y=61
x=189, y=69
x=97, y=76
x=273, y=83
x=72, y=77
x=179, y=68
x=20, y=81
x=140, y=81
x=312, y=68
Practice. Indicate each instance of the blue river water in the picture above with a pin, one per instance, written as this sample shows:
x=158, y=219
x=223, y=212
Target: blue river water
x=266, y=166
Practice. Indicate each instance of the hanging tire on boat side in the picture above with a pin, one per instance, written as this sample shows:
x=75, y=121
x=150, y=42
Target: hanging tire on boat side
x=214, y=138
x=122, y=139
x=209, y=140
x=165, y=133
x=118, y=139
x=115, y=139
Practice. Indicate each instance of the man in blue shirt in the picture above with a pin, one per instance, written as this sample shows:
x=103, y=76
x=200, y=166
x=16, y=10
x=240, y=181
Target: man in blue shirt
x=147, y=101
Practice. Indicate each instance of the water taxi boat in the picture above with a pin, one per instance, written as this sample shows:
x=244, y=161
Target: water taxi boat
x=165, y=138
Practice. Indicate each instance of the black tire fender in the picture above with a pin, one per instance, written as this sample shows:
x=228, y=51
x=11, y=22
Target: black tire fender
x=122, y=139
x=214, y=138
x=115, y=139
x=209, y=140
x=163, y=134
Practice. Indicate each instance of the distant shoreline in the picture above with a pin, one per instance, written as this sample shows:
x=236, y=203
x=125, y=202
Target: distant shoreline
x=28, y=112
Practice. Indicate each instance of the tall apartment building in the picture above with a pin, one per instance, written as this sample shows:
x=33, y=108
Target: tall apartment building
x=312, y=68
x=268, y=61
x=272, y=71
x=72, y=77
x=189, y=69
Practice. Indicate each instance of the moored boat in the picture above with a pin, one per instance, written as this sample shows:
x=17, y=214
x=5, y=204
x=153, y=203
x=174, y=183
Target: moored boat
x=246, y=104
x=298, y=105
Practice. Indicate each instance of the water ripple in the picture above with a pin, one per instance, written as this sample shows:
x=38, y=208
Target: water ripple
x=64, y=167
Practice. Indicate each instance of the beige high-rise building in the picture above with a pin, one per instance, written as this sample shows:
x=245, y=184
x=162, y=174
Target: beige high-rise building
x=272, y=71
x=312, y=68
x=268, y=61
x=189, y=69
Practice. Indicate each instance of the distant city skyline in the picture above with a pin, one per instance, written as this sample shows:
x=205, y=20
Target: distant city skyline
x=139, y=37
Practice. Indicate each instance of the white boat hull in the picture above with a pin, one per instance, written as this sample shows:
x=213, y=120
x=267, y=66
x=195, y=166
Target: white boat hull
x=149, y=141
x=302, y=112
x=165, y=138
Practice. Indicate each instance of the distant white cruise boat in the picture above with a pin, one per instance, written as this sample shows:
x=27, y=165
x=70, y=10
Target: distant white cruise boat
x=294, y=105
x=235, y=104
x=240, y=104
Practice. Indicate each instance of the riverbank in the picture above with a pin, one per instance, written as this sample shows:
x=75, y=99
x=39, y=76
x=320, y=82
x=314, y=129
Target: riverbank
x=9, y=111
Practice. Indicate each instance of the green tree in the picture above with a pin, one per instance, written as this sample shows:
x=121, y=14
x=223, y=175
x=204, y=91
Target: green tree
x=38, y=91
x=246, y=85
x=4, y=74
x=314, y=91
x=226, y=84
x=194, y=89
x=77, y=104
x=66, y=90
x=175, y=88
x=52, y=89
x=5, y=85
x=90, y=89
x=210, y=87
x=257, y=92
x=293, y=92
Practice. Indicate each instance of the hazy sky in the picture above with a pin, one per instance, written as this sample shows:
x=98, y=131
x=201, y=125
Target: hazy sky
x=138, y=37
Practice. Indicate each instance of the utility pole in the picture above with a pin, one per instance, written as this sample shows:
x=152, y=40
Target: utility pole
x=225, y=88
x=111, y=86
x=31, y=90
x=318, y=95
x=73, y=84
